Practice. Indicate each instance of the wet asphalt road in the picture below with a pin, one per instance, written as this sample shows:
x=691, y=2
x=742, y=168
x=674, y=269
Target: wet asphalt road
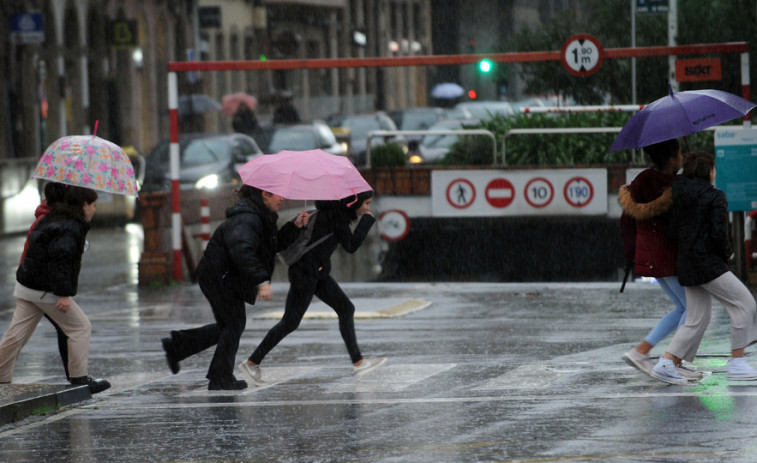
x=476, y=373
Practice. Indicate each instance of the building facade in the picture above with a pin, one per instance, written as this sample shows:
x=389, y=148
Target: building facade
x=71, y=64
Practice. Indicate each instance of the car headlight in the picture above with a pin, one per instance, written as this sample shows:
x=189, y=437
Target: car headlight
x=209, y=181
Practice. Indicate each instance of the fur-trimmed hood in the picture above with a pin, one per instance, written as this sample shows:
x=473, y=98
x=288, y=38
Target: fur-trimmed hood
x=645, y=211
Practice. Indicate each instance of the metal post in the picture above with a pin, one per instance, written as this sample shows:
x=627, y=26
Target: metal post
x=633, y=45
x=173, y=111
x=672, y=38
x=737, y=217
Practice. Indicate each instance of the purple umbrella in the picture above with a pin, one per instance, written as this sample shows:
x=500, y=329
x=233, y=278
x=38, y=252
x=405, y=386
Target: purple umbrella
x=678, y=115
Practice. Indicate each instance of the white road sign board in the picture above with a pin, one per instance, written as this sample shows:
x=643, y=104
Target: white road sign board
x=481, y=193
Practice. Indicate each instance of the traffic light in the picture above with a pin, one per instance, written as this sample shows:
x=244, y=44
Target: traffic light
x=472, y=94
x=485, y=65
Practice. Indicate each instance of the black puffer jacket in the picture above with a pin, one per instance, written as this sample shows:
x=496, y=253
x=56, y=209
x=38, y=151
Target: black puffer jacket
x=53, y=260
x=240, y=254
x=699, y=229
x=333, y=218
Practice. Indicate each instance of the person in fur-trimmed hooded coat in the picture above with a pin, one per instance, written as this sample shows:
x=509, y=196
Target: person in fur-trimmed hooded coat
x=647, y=203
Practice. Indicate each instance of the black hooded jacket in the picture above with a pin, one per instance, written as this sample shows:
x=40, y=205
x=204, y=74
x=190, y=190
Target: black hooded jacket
x=241, y=253
x=53, y=259
x=699, y=229
x=333, y=217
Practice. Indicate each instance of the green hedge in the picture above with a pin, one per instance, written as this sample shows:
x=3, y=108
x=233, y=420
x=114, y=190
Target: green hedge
x=391, y=155
x=555, y=149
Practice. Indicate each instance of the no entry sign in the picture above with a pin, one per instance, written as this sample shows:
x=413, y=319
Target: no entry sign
x=500, y=192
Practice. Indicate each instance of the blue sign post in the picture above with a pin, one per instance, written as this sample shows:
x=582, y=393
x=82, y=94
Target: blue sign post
x=736, y=164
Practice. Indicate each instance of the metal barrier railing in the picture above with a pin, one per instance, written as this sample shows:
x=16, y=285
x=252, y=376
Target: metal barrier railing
x=386, y=133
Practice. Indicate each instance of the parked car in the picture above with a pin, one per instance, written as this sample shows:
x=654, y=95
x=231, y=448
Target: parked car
x=303, y=137
x=416, y=119
x=457, y=113
x=360, y=125
x=487, y=109
x=205, y=161
x=434, y=147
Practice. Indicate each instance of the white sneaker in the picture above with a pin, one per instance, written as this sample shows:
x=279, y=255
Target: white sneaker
x=688, y=373
x=739, y=370
x=368, y=365
x=666, y=372
x=252, y=373
x=639, y=361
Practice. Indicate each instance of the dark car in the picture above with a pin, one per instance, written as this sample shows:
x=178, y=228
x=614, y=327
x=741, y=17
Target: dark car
x=205, y=161
x=360, y=125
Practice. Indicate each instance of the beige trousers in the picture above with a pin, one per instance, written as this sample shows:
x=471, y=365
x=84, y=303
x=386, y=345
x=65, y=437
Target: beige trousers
x=74, y=323
x=737, y=301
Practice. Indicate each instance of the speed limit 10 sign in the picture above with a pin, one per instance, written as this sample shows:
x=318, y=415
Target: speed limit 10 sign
x=581, y=55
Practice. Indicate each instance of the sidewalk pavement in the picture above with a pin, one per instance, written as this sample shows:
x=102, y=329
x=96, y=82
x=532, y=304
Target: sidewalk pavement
x=20, y=401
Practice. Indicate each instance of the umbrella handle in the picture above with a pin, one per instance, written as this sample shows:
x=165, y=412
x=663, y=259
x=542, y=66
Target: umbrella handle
x=353, y=201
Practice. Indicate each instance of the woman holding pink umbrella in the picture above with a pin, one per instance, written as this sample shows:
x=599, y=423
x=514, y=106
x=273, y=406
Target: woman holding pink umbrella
x=311, y=276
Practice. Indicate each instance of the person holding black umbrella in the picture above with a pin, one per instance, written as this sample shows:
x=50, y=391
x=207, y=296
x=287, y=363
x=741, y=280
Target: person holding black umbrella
x=647, y=203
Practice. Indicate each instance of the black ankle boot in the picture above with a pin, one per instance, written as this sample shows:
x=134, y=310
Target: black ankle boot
x=95, y=385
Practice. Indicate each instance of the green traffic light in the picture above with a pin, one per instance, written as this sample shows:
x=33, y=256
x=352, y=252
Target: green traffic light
x=485, y=65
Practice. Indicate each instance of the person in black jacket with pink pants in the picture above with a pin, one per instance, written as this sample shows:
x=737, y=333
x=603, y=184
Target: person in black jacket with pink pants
x=311, y=276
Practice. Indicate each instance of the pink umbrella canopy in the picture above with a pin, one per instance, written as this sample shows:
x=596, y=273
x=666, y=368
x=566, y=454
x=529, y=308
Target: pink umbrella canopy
x=88, y=161
x=305, y=175
x=230, y=103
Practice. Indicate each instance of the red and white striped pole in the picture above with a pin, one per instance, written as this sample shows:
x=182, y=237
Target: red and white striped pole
x=204, y=222
x=173, y=111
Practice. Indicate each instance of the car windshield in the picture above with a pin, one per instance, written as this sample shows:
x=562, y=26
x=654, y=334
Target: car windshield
x=293, y=140
x=359, y=126
x=414, y=120
x=193, y=151
x=440, y=140
x=199, y=152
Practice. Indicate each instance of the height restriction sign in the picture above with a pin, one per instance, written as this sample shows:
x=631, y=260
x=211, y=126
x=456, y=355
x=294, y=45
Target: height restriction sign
x=581, y=55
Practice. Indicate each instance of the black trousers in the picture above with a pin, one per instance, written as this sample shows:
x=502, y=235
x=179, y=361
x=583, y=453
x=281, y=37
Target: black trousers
x=303, y=286
x=62, y=345
x=231, y=317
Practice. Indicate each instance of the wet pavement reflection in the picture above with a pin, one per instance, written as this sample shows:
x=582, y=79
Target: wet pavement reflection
x=485, y=372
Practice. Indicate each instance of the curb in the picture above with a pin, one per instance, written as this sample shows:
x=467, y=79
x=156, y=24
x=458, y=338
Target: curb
x=20, y=401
